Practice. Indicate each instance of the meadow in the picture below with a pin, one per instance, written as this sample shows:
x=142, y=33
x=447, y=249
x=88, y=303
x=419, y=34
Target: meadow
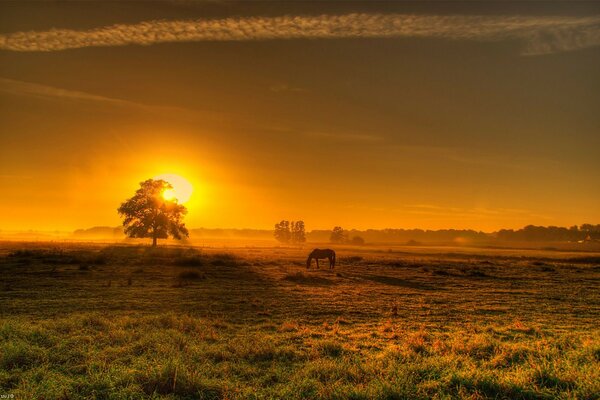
x=98, y=321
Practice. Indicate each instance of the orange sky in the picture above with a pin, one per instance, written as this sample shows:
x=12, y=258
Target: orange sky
x=364, y=132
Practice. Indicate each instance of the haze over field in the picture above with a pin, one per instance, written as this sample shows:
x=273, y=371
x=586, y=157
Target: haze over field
x=366, y=115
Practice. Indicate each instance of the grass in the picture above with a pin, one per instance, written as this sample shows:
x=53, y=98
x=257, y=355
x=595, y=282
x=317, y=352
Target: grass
x=256, y=324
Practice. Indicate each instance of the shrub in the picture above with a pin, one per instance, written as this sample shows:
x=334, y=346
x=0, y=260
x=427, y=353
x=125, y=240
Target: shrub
x=357, y=241
x=191, y=275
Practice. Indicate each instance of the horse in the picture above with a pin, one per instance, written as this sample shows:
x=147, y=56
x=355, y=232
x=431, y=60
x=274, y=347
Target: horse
x=321, y=253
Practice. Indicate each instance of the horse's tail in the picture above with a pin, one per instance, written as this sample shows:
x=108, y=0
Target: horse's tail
x=333, y=260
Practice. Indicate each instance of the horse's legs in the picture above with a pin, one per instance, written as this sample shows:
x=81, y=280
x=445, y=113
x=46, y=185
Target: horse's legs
x=330, y=262
x=317, y=262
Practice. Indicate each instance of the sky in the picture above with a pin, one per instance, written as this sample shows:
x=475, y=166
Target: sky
x=433, y=115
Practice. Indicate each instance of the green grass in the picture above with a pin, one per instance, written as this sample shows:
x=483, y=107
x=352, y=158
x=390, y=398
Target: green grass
x=177, y=322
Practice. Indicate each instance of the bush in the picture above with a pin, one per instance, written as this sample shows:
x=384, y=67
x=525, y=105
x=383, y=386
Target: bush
x=357, y=241
x=191, y=275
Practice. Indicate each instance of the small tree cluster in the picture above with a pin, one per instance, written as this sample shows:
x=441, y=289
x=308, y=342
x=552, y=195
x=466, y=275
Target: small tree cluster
x=290, y=232
x=339, y=236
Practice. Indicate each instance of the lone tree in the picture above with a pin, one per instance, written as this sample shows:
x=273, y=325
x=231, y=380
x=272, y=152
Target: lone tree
x=149, y=215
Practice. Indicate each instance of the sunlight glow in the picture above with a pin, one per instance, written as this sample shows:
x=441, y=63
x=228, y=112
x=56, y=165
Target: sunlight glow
x=182, y=188
x=169, y=194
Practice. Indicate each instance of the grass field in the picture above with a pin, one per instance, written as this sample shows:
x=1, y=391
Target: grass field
x=95, y=321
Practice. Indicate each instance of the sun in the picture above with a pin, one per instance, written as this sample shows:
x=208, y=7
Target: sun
x=182, y=188
x=169, y=195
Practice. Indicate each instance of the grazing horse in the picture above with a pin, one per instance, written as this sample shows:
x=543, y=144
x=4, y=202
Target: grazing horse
x=321, y=253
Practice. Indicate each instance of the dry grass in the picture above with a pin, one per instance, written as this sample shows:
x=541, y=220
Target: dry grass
x=87, y=321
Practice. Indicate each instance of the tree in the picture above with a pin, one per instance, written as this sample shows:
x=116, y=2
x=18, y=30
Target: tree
x=282, y=231
x=149, y=215
x=298, y=233
x=337, y=235
x=587, y=227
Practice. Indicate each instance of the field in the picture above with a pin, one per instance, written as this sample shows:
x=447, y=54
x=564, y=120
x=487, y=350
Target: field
x=86, y=321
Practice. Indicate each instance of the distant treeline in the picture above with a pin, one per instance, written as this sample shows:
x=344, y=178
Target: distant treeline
x=414, y=236
x=550, y=233
x=529, y=233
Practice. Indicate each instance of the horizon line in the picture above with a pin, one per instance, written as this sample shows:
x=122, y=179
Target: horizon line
x=72, y=231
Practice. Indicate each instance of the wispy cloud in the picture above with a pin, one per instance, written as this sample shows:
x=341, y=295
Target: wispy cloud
x=539, y=35
x=284, y=87
x=439, y=211
x=21, y=88
x=346, y=137
x=478, y=212
x=39, y=90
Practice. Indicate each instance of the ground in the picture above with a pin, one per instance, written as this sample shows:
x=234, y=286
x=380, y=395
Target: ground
x=86, y=321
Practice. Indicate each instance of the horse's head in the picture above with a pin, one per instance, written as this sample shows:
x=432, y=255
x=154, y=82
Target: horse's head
x=308, y=260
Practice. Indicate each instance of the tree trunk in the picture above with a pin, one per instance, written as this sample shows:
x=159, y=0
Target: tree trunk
x=154, y=240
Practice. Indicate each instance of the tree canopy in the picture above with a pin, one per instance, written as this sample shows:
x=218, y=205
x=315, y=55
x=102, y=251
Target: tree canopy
x=149, y=215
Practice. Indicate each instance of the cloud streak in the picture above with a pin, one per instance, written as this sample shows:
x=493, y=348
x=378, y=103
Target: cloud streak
x=539, y=35
x=346, y=137
x=37, y=90
x=21, y=88
x=477, y=212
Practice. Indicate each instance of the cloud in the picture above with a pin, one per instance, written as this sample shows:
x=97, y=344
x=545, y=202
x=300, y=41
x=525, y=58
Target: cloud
x=286, y=88
x=346, y=137
x=21, y=88
x=477, y=212
x=539, y=35
x=38, y=90
x=439, y=211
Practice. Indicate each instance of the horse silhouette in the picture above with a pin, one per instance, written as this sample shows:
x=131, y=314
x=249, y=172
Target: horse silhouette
x=321, y=253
